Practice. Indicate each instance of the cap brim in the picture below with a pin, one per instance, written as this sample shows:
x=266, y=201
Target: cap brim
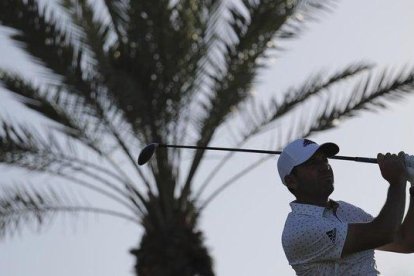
x=330, y=149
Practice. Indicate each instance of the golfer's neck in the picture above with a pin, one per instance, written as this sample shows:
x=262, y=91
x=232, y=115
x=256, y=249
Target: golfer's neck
x=323, y=202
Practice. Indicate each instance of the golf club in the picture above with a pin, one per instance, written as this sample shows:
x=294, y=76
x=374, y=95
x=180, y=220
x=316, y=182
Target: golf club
x=150, y=149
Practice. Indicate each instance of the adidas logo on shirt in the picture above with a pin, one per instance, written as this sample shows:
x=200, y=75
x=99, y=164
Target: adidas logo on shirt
x=332, y=235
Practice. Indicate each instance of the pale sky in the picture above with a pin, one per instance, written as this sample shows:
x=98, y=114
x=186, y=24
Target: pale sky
x=243, y=226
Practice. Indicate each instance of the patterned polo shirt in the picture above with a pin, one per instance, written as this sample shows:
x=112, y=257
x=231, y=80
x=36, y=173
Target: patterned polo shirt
x=314, y=236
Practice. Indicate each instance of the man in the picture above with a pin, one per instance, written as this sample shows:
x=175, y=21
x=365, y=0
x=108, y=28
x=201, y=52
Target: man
x=325, y=237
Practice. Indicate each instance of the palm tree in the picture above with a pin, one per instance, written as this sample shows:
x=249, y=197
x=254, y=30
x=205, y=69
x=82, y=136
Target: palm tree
x=177, y=72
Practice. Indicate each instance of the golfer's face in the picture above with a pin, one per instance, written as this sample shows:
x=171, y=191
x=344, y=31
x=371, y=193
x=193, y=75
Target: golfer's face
x=315, y=175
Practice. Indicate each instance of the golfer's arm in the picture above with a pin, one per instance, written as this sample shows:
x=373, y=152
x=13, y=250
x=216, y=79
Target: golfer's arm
x=404, y=240
x=407, y=228
x=380, y=231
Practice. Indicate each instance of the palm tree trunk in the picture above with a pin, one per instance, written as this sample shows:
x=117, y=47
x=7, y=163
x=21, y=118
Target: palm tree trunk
x=173, y=247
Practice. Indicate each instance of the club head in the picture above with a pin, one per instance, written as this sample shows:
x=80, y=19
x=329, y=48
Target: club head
x=147, y=153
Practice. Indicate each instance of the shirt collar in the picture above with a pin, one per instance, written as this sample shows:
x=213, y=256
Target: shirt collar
x=313, y=210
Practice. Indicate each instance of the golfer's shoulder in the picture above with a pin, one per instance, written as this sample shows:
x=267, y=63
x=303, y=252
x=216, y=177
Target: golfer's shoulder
x=353, y=213
x=347, y=206
x=299, y=223
x=296, y=227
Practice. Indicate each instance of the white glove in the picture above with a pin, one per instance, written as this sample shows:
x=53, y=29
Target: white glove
x=409, y=166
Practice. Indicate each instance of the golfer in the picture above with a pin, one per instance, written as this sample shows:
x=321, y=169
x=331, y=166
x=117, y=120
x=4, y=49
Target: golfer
x=326, y=237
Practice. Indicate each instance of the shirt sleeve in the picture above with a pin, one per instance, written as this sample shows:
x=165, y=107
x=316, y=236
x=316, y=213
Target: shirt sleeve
x=365, y=217
x=355, y=214
x=314, y=241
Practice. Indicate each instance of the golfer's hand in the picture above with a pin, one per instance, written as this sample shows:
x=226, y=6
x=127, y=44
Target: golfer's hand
x=392, y=168
x=409, y=166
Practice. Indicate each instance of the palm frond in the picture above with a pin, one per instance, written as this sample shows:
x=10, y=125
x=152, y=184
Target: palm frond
x=372, y=93
x=26, y=148
x=258, y=118
x=304, y=12
x=58, y=107
x=33, y=207
x=94, y=34
x=73, y=118
x=117, y=10
x=40, y=35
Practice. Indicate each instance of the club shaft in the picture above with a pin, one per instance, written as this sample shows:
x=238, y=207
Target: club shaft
x=347, y=158
x=220, y=149
x=356, y=159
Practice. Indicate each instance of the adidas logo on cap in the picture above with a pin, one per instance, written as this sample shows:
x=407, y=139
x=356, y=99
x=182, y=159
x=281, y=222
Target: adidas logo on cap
x=307, y=142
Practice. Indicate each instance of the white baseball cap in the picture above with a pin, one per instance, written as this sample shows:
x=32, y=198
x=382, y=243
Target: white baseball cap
x=298, y=152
